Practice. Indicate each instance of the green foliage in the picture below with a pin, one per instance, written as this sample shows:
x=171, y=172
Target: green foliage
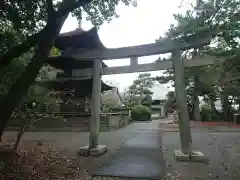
x=205, y=107
x=10, y=73
x=139, y=92
x=55, y=52
x=99, y=12
x=25, y=16
x=208, y=113
x=147, y=99
x=141, y=113
x=21, y=19
x=8, y=37
x=221, y=78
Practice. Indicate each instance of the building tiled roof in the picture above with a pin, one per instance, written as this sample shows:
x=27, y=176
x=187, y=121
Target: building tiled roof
x=79, y=39
x=159, y=92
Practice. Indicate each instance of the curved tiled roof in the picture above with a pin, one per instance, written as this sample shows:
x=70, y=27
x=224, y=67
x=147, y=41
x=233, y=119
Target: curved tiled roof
x=79, y=39
x=74, y=40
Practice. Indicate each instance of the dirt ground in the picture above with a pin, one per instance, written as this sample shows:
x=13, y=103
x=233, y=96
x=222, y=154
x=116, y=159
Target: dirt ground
x=221, y=149
x=54, y=154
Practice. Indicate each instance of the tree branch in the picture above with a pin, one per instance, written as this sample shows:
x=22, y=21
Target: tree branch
x=31, y=41
x=2, y=5
x=50, y=8
x=17, y=50
x=21, y=86
x=68, y=6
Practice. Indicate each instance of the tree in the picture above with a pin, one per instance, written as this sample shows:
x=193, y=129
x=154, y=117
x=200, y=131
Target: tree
x=28, y=108
x=139, y=92
x=51, y=18
x=206, y=81
x=170, y=104
x=193, y=84
x=35, y=16
x=29, y=118
x=10, y=73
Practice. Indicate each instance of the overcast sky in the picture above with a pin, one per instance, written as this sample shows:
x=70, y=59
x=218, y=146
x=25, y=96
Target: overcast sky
x=136, y=25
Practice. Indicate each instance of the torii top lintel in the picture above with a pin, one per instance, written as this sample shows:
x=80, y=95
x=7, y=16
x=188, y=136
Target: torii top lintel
x=161, y=47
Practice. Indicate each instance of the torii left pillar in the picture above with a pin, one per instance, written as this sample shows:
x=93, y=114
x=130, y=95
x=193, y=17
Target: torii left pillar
x=94, y=148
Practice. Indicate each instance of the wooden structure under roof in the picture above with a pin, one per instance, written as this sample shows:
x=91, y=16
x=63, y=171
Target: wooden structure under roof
x=65, y=80
x=81, y=88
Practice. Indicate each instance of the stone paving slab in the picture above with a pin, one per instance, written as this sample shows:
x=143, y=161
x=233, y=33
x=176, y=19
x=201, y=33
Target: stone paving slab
x=139, y=157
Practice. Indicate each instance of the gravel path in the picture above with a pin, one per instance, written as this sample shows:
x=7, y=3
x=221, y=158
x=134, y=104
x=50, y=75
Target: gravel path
x=222, y=149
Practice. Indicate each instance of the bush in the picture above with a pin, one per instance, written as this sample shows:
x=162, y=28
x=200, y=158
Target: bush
x=208, y=114
x=141, y=113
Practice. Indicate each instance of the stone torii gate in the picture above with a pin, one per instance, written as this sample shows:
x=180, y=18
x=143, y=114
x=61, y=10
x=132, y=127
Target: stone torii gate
x=175, y=47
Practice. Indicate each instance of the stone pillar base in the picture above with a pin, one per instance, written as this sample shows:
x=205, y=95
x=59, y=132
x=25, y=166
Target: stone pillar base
x=86, y=151
x=195, y=156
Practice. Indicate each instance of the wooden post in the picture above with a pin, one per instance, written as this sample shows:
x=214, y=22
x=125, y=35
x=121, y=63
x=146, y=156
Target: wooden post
x=86, y=104
x=196, y=109
x=185, y=133
x=94, y=149
x=133, y=61
x=95, y=110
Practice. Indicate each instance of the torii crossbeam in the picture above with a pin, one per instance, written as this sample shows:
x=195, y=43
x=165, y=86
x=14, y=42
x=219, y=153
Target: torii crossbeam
x=160, y=47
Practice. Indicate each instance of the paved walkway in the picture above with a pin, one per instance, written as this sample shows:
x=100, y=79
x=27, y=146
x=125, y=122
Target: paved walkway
x=71, y=141
x=138, y=157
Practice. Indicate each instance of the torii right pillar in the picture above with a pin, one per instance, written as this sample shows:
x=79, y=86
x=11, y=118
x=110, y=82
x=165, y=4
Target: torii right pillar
x=185, y=153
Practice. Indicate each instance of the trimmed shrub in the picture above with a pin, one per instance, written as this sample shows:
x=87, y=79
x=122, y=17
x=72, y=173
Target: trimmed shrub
x=208, y=114
x=141, y=113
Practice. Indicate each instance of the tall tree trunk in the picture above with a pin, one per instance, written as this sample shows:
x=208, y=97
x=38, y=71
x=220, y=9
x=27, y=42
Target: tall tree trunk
x=17, y=91
x=225, y=106
x=212, y=103
x=196, y=109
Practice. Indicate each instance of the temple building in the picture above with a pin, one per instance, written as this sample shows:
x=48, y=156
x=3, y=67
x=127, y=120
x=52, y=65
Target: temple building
x=74, y=92
x=159, y=98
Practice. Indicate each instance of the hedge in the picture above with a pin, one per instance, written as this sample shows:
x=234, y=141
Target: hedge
x=141, y=113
